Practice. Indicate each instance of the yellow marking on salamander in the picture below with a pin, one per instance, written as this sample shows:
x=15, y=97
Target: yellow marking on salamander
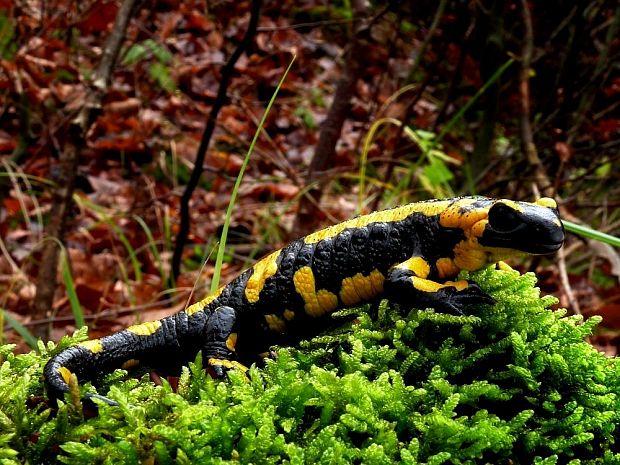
x=316, y=303
x=546, y=202
x=458, y=216
x=261, y=271
x=288, y=314
x=145, y=329
x=512, y=204
x=94, y=345
x=388, y=216
x=477, y=228
x=199, y=306
x=65, y=374
x=417, y=265
x=231, y=341
x=226, y=363
x=327, y=302
x=348, y=292
x=468, y=257
x=275, y=323
x=446, y=267
x=426, y=285
x=360, y=288
x=503, y=266
x=376, y=281
x=131, y=363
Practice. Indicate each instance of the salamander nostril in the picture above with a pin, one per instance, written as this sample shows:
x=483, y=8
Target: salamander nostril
x=558, y=235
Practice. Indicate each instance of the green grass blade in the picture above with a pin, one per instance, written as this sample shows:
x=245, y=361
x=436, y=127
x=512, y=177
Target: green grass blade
x=233, y=197
x=367, y=143
x=589, y=233
x=104, y=216
x=15, y=173
x=151, y=244
x=20, y=329
x=76, y=308
x=458, y=115
x=133, y=257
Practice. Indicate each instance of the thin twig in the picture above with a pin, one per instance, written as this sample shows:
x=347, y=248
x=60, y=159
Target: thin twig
x=69, y=161
x=527, y=139
x=568, y=290
x=427, y=39
x=227, y=73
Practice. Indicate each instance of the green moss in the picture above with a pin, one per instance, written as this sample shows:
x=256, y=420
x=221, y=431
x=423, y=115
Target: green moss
x=512, y=383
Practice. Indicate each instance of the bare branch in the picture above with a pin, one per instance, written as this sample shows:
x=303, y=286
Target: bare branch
x=227, y=73
x=69, y=162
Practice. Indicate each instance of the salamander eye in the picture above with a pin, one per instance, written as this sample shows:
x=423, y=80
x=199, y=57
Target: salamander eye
x=504, y=218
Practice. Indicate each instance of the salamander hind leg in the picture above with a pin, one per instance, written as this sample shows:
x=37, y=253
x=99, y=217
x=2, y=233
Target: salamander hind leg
x=219, y=342
x=408, y=284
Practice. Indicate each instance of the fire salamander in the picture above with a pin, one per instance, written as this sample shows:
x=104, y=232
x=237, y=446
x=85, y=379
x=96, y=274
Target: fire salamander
x=410, y=254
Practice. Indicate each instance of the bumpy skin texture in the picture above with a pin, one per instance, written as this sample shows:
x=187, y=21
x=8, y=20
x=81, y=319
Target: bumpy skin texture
x=409, y=254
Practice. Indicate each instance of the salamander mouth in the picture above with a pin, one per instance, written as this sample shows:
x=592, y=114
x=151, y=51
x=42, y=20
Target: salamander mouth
x=543, y=248
x=525, y=241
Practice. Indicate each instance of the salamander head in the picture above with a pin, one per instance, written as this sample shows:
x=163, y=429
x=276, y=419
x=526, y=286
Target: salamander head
x=533, y=228
x=496, y=229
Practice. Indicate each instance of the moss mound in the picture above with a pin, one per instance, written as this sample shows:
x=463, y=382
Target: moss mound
x=512, y=383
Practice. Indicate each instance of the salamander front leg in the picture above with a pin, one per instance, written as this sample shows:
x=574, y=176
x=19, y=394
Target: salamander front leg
x=407, y=283
x=220, y=340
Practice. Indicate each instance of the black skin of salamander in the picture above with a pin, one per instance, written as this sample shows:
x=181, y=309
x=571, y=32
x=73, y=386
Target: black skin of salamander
x=376, y=246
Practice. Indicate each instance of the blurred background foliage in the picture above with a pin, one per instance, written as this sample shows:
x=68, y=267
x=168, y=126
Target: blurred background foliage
x=510, y=99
